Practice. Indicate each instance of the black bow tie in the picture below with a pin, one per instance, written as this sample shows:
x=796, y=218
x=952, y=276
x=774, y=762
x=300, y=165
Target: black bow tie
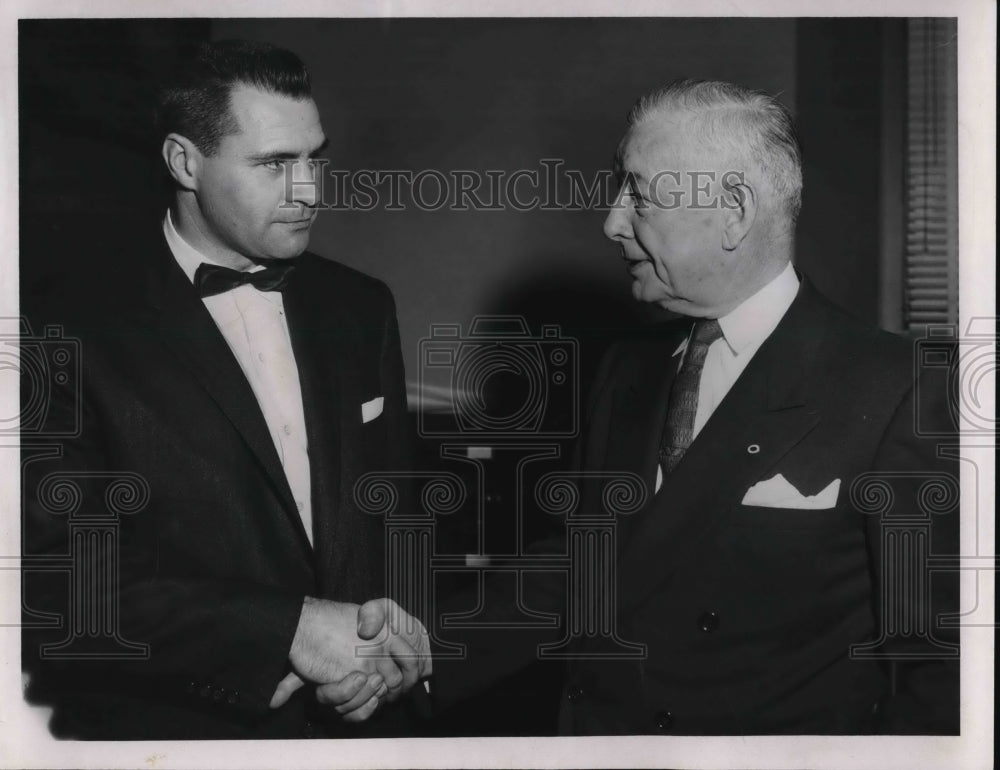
x=210, y=280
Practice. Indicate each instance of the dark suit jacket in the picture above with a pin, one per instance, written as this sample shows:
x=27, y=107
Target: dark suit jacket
x=749, y=614
x=214, y=569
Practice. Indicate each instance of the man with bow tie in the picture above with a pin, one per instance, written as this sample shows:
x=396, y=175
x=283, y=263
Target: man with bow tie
x=248, y=384
x=769, y=594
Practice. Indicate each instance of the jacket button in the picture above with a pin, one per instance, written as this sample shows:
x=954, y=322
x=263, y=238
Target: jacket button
x=233, y=698
x=308, y=730
x=708, y=622
x=218, y=694
x=664, y=721
x=205, y=691
x=575, y=692
x=191, y=688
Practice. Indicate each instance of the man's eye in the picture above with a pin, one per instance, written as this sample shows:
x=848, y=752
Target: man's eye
x=274, y=165
x=639, y=202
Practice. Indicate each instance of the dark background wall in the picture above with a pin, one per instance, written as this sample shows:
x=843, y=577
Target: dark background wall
x=502, y=94
x=452, y=94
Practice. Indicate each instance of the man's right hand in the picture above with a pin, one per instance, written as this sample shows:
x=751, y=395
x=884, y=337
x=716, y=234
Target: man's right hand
x=326, y=644
x=382, y=620
x=335, y=646
x=356, y=697
x=392, y=629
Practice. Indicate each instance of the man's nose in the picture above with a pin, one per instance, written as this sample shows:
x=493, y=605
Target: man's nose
x=617, y=224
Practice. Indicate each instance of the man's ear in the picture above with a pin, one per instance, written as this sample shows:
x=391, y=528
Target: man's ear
x=183, y=160
x=739, y=210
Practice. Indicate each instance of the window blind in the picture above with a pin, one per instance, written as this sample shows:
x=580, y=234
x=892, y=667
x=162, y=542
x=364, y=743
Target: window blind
x=931, y=257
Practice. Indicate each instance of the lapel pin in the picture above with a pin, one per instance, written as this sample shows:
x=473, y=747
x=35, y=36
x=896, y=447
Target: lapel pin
x=753, y=449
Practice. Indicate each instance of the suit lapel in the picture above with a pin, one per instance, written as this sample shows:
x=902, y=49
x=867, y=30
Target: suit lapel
x=319, y=329
x=640, y=408
x=185, y=326
x=763, y=416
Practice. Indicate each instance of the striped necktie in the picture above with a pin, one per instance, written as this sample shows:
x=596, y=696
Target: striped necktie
x=678, y=432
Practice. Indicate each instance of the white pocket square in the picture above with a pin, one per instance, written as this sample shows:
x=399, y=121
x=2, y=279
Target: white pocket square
x=778, y=493
x=371, y=409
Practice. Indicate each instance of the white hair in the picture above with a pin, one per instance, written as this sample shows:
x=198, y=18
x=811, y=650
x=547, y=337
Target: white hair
x=744, y=126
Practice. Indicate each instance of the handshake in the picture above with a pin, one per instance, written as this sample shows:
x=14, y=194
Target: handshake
x=357, y=656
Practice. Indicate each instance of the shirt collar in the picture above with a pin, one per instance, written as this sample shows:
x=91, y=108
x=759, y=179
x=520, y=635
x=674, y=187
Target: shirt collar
x=187, y=256
x=752, y=321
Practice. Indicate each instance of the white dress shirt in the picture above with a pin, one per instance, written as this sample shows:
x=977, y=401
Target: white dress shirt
x=254, y=326
x=744, y=330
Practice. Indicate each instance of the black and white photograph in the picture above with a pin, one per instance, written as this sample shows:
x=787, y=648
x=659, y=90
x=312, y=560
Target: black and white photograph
x=442, y=385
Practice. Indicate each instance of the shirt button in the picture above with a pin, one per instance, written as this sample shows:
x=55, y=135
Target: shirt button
x=260, y=356
x=708, y=622
x=300, y=505
x=287, y=429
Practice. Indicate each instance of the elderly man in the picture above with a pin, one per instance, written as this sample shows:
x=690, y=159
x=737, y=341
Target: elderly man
x=242, y=385
x=750, y=576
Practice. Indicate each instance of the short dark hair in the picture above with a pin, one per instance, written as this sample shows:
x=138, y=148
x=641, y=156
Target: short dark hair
x=195, y=101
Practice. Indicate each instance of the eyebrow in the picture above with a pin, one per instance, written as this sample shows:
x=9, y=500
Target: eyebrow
x=279, y=155
x=625, y=175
